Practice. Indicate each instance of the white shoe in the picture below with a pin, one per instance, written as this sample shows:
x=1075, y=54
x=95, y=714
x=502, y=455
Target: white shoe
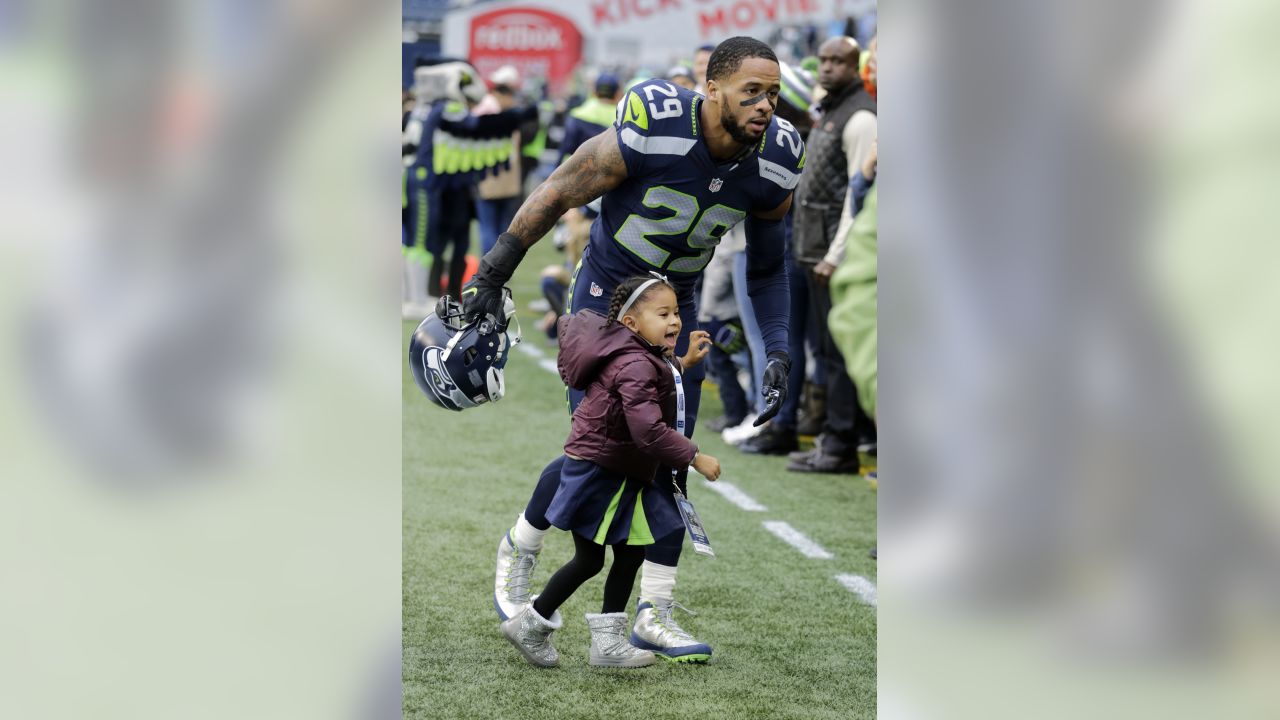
x=657, y=631
x=743, y=432
x=512, y=577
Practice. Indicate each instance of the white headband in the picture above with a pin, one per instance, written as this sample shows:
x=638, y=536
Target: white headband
x=638, y=292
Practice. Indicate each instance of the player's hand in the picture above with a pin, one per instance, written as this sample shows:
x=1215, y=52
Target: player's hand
x=775, y=386
x=822, y=272
x=480, y=298
x=707, y=466
x=484, y=295
x=699, y=346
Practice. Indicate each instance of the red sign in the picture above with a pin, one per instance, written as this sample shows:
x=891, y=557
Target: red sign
x=539, y=43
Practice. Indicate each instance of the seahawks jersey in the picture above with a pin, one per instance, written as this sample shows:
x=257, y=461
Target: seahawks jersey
x=678, y=201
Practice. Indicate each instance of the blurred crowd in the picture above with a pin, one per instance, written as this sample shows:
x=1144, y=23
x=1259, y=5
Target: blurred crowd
x=474, y=152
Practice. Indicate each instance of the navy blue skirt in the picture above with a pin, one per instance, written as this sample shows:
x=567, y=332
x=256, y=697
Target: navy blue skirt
x=610, y=508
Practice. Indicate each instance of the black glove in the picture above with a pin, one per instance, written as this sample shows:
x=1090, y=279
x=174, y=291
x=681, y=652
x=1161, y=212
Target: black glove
x=727, y=335
x=484, y=294
x=775, y=385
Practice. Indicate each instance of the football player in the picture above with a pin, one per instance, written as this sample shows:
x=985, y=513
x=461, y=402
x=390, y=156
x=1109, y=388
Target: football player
x=674, y=172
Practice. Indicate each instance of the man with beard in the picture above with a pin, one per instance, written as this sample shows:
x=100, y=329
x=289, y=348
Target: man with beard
x=675, y=171
x=842, y=137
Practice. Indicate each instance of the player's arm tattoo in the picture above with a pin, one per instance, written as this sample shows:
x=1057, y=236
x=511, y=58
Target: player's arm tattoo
x=593, y=170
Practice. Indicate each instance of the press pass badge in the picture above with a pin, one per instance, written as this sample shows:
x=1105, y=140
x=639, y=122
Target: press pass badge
x=697, y=534
x=701, y=544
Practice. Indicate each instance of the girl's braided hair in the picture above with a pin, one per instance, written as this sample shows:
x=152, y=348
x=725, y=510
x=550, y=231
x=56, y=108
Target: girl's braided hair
x=624, y=290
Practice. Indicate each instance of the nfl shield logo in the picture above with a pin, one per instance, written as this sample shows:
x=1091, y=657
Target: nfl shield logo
x=596, y=290
x=715, y=184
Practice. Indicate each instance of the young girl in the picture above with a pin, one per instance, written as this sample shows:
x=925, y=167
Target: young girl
x=621, y=432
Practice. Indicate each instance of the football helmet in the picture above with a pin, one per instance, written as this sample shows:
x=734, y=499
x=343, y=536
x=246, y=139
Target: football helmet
x=457, y=364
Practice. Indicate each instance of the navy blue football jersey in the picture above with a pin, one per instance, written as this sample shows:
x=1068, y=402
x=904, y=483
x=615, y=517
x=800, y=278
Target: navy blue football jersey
x=677, y=201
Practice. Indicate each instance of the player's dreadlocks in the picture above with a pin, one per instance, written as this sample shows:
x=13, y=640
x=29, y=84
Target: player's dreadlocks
x=728, y=56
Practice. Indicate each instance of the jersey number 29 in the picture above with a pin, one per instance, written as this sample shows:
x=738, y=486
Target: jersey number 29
x=711, y=225
x=670, y=107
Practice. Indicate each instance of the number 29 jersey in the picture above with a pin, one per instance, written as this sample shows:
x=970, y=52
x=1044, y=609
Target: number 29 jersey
x=678, y=201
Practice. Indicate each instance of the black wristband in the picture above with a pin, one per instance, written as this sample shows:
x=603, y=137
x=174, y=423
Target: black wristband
x=782, y=357
x=500, y=263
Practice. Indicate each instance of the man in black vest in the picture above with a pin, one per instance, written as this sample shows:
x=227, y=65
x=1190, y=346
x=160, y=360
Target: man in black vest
x=842, y=136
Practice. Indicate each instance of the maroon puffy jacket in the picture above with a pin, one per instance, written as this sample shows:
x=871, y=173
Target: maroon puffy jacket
x=625, y=422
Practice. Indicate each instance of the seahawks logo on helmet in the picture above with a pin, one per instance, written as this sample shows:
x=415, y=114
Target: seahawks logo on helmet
x=459, y=365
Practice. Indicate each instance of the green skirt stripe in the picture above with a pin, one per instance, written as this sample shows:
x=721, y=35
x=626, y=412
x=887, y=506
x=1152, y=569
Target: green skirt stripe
x=639, y=533
x=608, y=516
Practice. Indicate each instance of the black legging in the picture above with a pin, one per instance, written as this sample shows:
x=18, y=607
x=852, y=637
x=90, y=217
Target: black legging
x=588, y=560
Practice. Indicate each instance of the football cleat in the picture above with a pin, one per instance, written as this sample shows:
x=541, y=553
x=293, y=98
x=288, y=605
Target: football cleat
x=511, y=581
x=656, y=629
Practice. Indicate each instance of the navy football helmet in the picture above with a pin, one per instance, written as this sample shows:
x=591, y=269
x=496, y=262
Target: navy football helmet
x=456, y=364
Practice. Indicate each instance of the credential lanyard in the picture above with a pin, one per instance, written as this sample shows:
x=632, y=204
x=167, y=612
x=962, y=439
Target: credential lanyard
x=692, y=523
x=675, y=375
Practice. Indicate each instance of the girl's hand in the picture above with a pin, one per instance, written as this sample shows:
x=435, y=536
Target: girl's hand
x=699, y=346
x=707, y=466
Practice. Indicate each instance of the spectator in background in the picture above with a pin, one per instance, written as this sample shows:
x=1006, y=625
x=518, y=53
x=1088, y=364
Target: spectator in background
x=867, y=70
x=854, y=285
x=842, y=137
x=682, y=75
x=591, y=117
x=498, y=196
x=700, y=58
x=443, y=137
x=534, y=132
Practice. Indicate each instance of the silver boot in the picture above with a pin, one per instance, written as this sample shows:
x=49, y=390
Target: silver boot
x=511, y=581
x=609, y=646
x=530, y=633
x=656, y=629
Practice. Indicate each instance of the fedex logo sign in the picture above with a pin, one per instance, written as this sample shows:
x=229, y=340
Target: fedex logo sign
x=518, y=32
x=532, y=39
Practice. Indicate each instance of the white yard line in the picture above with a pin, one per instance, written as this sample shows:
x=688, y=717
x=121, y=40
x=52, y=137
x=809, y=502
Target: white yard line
x=734, y=495
x=797, y=540
x=859, y=586
x=544, y=362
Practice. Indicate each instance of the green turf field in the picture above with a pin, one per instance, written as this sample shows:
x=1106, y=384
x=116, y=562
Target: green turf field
x=789, y=640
